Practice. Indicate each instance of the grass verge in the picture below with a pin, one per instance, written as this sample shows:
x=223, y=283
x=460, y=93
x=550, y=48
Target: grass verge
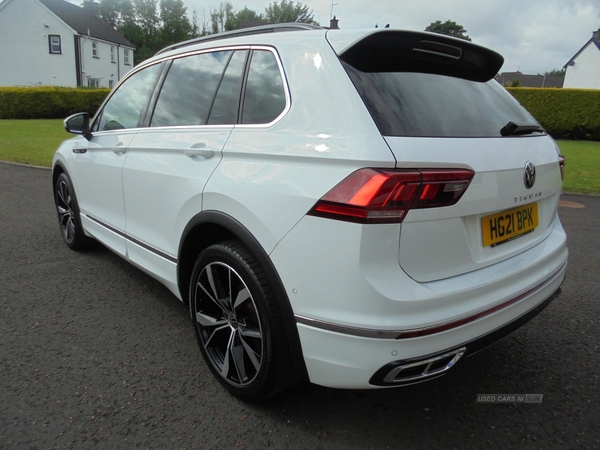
x=34, y=142
x=31, y=141
x=582, y=166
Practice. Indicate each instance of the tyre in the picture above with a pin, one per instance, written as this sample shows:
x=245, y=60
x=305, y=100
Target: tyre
x=68, y=214
x=238, y=323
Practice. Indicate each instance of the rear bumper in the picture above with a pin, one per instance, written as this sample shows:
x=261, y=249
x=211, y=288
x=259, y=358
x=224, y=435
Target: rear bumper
x=415, y=370
x=349, y=361
x=360, y=317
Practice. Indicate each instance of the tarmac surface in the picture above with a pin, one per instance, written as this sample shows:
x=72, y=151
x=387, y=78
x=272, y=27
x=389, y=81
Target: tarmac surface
x=96, y=354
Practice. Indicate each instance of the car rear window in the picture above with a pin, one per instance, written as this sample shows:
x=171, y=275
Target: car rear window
x=431, y=105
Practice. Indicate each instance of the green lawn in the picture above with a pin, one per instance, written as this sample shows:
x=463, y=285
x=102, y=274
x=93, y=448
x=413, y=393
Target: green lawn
x=34, y=142
x=31, y=141
x=582, y=166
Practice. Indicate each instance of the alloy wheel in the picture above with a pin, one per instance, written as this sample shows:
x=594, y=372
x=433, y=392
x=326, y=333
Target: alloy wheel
x=66, y=215
x=228, y=323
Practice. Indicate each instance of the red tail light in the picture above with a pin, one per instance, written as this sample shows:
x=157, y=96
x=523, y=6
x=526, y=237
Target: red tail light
x=385, y=196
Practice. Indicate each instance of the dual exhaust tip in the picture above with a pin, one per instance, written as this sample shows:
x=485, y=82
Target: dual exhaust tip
x=402, y=373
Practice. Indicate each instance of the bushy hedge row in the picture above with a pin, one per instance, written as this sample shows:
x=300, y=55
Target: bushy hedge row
x=564, y=113
x=48, y=102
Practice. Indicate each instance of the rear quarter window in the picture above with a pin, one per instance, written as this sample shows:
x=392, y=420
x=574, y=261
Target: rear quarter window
x=264, y=97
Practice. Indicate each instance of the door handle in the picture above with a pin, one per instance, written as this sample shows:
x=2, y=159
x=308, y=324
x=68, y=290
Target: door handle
x=79, y=151
x=119, y=149
x=199, y=149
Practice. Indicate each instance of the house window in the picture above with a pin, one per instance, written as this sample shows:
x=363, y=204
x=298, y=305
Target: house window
x=54, y=44
x=111, y=84
x=93, y=82
x=112, y=54
x=126, y=56
x=95, y=49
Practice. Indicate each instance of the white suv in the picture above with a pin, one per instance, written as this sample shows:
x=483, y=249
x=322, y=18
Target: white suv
x=358, y=209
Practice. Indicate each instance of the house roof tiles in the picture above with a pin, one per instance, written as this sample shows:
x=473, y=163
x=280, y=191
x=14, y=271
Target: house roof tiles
x=84, y=21
x=537, y=81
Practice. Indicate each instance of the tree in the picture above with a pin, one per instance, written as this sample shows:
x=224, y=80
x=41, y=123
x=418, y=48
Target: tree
x=449, y=28
x=116, y=12
x=286, y=11
x=219, y=17
x=110, y=11
x=556, y=73
x=199, y=25
x=176, y=26
x=147, y=17
x=245, y=15
x=148, y=25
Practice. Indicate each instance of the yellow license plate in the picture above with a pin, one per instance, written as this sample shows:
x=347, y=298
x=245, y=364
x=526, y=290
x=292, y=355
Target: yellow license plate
x=508, y=225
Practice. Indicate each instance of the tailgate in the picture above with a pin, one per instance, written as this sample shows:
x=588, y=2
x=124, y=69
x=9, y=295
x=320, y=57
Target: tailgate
x=497, y=218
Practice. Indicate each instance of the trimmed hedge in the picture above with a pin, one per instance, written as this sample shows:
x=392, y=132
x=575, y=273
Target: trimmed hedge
x=564, y=113
x=48, y=102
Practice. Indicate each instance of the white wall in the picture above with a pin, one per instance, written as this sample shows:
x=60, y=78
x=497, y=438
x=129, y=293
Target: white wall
x=585, y=74
x=25, y=58
x=24, y=52
x=102, y=68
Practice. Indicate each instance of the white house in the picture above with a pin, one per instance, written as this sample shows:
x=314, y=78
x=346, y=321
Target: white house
x=583, y=69
x=57, y=43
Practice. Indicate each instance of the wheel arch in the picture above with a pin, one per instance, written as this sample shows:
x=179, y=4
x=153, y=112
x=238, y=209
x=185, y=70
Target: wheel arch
x=211, y=227
x=56, y=171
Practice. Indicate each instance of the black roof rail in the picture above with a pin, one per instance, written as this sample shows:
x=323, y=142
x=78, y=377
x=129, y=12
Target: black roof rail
x=271, y=28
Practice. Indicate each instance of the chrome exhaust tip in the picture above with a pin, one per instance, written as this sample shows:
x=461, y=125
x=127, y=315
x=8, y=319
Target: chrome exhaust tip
x=403, y=372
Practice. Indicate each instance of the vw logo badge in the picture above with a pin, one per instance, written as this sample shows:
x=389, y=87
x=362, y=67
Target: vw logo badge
x=529, y=176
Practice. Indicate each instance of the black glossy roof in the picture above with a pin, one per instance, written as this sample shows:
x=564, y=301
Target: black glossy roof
x=82, y=20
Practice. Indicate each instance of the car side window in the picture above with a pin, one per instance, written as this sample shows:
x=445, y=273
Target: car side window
x=125, y=107
x=224, y=110
x=264, y=97
x=189, y=89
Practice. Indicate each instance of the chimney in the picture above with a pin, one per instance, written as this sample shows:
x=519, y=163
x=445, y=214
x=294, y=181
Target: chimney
x=333, y=24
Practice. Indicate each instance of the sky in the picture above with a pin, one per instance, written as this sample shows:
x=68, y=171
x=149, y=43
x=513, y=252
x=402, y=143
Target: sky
x=534, y=36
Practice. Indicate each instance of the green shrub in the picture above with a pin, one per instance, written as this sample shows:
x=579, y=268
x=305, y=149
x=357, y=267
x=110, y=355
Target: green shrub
x=48, y=102
x=564, y=113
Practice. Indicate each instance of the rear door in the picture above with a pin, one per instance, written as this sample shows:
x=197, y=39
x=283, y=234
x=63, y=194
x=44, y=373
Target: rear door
x=170, y=161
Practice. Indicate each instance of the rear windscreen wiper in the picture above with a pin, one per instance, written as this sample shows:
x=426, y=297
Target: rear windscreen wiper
x=517, y=128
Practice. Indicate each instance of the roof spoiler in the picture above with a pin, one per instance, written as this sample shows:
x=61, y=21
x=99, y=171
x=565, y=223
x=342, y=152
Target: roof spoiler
x=410, y=51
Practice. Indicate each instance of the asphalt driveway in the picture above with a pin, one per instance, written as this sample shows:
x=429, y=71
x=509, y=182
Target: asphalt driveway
x=94, y=353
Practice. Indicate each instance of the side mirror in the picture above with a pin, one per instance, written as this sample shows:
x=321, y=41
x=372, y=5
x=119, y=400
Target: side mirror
x=79, y=124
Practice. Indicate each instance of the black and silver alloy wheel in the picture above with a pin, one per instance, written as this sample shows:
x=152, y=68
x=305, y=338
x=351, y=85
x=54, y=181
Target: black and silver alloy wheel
x=64, y=205
x=229, y=325
x=238, y=322
x=68, y=214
